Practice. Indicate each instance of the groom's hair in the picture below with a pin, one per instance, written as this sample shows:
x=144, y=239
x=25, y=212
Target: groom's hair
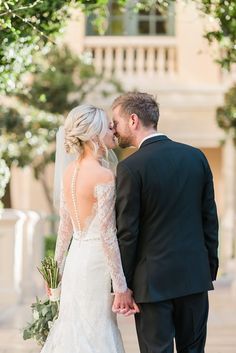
x=143, y=105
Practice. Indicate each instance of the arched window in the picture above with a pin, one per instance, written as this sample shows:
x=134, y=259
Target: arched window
x=128, y=23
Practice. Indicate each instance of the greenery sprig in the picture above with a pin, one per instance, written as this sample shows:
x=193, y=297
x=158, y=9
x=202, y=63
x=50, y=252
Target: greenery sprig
x=226, y=115
x=50, y=272
x=44, y=314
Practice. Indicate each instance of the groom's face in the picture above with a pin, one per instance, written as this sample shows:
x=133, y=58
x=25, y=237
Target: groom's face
x=122, y=129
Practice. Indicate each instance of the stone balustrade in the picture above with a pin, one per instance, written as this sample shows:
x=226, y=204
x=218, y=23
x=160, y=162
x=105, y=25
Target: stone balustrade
x=122, y=56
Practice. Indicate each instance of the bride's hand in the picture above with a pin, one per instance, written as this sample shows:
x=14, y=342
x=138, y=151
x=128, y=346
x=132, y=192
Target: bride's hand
x=47, y=289
x=124, y=303
x=133, y=311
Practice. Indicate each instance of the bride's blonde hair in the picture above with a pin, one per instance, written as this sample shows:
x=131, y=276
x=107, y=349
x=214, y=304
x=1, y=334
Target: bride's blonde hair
x=85, y=124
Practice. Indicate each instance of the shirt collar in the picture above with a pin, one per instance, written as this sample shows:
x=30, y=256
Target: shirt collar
x=148, y=137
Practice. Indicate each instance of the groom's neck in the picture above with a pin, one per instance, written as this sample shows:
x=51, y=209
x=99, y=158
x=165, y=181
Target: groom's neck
x=142, y=135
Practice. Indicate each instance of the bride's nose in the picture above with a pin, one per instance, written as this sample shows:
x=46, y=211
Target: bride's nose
x=113, y=130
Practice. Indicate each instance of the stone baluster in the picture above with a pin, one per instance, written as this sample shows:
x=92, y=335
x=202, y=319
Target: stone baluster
x=129, y=63
x=98, y=59
x=140, y=60
x=11, y=255
x=150, y=60
x=108, y=64
x=119, y=60
x=171, y=61
x=161, y=61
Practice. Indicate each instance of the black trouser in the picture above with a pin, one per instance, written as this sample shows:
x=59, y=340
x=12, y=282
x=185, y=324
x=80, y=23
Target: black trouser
x=184, y=319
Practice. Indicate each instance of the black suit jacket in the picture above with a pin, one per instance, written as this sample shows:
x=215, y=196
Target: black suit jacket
x=167, y=223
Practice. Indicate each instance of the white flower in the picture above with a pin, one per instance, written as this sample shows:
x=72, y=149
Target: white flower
x=50, y=323
x=86, y=57
x=4, y=176
x=35, y=315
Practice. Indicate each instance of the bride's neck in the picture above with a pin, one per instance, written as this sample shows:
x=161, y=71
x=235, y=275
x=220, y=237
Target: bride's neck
x=90, y=155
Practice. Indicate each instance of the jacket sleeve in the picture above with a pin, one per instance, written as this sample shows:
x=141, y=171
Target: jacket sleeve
x=105, y=194
x=64, y=235
x=210, y=222
x=128, y=214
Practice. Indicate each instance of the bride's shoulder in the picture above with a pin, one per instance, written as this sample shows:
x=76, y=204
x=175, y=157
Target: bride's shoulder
x=105, y=184
x=104, y=175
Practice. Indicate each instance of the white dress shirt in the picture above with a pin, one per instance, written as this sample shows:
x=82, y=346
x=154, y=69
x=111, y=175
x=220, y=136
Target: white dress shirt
x=148, y=137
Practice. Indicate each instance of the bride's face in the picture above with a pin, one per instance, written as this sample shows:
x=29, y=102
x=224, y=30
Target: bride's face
x=109, y=139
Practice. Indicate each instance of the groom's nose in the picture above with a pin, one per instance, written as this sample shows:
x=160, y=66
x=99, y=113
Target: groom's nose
x=113, y=129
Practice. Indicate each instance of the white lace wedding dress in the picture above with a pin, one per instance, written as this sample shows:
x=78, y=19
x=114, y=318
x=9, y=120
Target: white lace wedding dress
x=86, y=323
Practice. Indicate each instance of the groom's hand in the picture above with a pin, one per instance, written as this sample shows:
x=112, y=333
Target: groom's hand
x=124, y=303
x=133, y=311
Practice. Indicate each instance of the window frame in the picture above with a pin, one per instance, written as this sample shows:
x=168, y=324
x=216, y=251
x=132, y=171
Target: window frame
x=130, y=23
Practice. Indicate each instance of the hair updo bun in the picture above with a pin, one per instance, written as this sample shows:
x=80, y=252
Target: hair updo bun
x=84, y=123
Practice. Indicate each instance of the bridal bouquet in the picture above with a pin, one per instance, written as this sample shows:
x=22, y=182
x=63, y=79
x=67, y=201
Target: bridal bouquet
x=45, y=312
x=50, y=273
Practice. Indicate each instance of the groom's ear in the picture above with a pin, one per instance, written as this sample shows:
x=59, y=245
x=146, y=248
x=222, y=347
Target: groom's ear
x=133, y=121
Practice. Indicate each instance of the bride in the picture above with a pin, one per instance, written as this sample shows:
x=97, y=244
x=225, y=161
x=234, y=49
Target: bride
x=86, y=322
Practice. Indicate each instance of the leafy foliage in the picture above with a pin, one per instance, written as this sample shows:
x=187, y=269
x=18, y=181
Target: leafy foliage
x=28, y=130
x=4, y=178
x=27, y=28
x=45, y=312
x=50, y=244
x=224, y=12
x=64, y=80
x=26, y=135
x=226, y=115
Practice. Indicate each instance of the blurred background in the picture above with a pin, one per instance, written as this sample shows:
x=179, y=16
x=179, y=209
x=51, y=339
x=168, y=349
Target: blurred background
x=58, y=54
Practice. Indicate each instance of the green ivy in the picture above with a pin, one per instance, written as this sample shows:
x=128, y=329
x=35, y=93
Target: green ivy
x=226, y=115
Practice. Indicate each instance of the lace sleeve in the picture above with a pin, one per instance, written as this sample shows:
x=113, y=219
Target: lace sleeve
x=64, y=235
x=105, y=194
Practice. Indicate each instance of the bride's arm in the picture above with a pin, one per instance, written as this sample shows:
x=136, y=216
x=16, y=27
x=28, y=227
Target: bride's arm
x=64, y=235
x=105, y=194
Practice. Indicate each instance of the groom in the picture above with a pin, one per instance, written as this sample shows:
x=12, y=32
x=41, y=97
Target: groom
x=167, y=230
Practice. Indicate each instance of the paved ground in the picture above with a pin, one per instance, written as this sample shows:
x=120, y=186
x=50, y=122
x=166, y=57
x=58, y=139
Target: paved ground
x=221, y=329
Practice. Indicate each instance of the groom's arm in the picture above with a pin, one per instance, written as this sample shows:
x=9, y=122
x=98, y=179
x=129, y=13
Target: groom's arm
x=127, y=217
x=210, y=221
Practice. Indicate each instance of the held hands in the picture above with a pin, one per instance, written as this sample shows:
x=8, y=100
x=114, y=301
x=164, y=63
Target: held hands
x=125, y=304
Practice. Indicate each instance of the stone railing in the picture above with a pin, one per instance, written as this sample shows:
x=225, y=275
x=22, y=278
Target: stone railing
x=21, y=250
x=133, y=56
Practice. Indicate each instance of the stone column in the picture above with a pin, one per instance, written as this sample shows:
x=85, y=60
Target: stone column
x=11, y=255
x=33, y=251
x=227, y=229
